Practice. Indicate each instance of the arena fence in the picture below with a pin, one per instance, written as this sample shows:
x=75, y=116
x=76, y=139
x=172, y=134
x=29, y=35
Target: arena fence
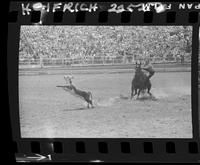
x=99, y=60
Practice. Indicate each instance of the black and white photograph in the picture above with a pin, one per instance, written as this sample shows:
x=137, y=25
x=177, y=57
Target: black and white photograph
x=199, y=81
x=105, y=81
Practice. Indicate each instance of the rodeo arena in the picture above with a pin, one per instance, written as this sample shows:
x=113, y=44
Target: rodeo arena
x=105, y=81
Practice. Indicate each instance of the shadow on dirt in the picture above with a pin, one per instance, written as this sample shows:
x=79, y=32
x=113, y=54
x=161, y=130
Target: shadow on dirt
x=150, y=98
x=145, y=97
x=122, y=97
x=78, y=109
x=141, y=98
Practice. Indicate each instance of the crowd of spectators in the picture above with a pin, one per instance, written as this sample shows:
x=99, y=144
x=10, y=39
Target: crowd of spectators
x=104, y=44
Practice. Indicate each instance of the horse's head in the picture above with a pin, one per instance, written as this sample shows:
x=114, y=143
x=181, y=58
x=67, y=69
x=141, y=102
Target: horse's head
x=138, y=68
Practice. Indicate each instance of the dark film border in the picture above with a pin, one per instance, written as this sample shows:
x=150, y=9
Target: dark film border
x=184, y=150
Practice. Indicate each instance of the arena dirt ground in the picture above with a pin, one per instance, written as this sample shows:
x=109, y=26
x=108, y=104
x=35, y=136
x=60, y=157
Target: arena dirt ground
x=50, y=112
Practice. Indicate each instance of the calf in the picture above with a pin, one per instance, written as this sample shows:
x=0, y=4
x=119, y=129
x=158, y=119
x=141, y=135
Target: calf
x=86, y=96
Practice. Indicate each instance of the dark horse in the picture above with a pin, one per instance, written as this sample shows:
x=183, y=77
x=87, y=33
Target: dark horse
x=140, y=82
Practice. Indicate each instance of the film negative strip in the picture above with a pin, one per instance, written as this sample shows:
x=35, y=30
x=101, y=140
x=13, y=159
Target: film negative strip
x=104, y=81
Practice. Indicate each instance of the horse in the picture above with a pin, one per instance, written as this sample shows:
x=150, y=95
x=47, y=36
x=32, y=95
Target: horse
x=140, y=82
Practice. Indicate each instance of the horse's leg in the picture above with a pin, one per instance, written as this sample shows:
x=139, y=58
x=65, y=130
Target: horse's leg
x=149, y=88
x=149, y=92
x=131, y=93
x=132, y=89
x=135, y=92
x=88, y=106
x=138, y=93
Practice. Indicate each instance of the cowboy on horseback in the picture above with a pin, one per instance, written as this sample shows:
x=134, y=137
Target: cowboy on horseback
x=141, y=81
x=149, y=68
